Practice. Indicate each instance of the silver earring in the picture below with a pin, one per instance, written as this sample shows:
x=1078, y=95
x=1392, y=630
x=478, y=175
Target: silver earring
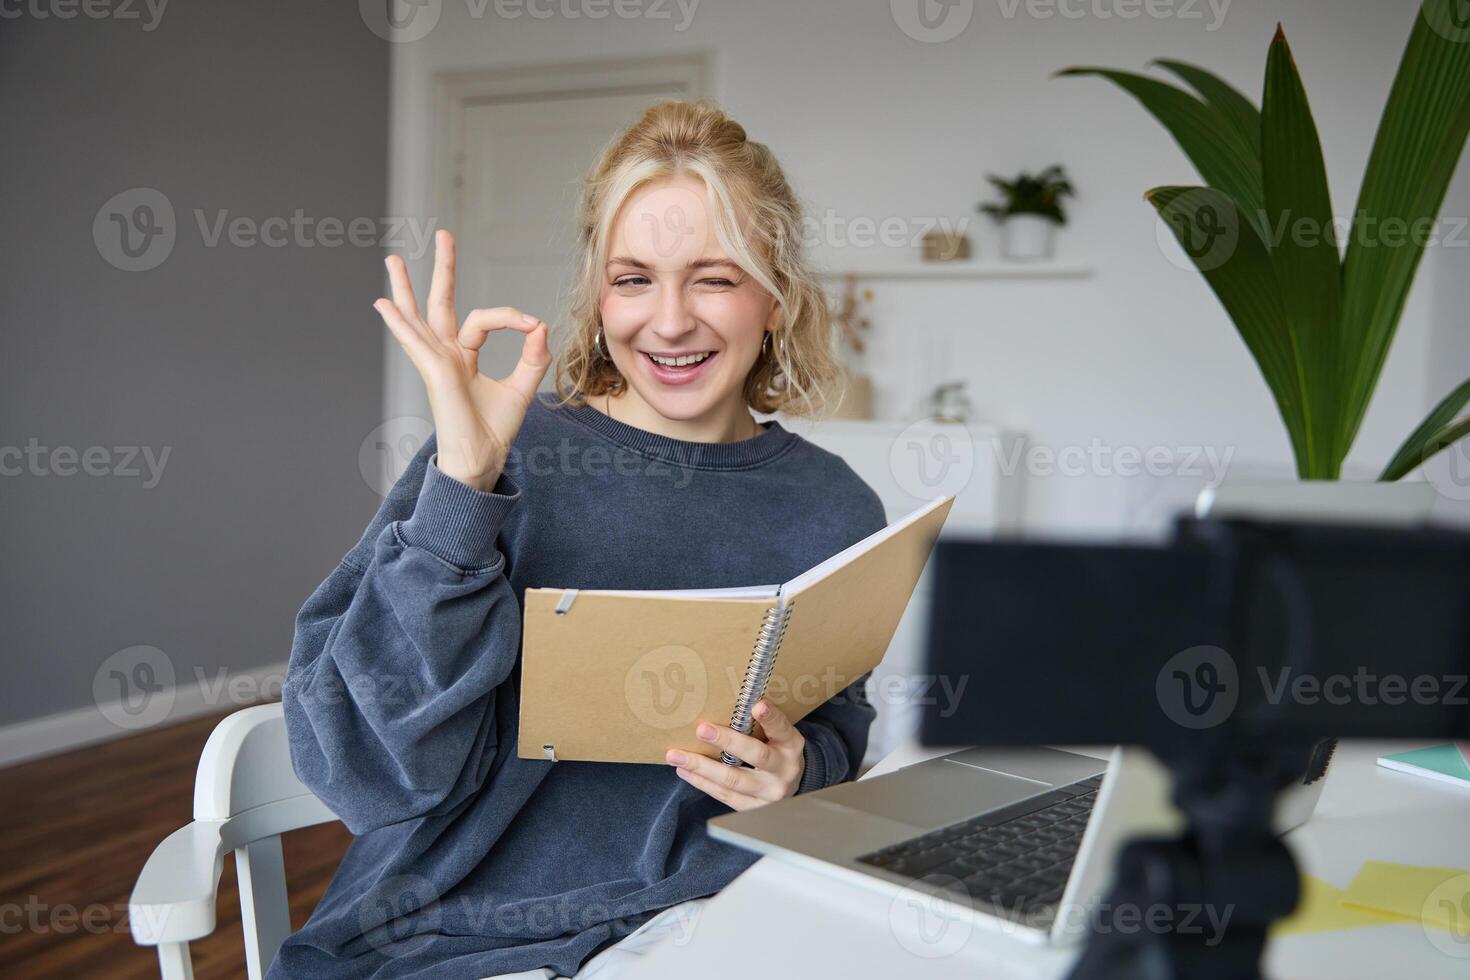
x=597, y=344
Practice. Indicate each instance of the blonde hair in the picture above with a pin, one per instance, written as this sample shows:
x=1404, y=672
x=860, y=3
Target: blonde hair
x=758, y=222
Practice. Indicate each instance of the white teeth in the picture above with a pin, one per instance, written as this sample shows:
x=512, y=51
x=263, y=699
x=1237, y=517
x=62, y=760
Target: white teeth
x=679, y=361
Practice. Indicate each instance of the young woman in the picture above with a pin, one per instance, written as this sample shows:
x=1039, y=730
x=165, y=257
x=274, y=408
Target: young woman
x=693, y=306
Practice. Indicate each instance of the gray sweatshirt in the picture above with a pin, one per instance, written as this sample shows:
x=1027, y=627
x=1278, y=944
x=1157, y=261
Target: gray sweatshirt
x=402, y=696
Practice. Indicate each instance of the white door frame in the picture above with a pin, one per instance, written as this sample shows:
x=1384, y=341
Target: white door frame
x=687, y=73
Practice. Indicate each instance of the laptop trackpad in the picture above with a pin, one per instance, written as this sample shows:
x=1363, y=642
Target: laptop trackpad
x=927, y=796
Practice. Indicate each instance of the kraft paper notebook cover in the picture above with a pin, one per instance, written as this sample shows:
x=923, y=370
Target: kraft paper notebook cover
x=623, y=676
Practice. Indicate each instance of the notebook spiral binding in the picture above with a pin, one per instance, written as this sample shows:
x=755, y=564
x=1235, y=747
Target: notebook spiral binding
x=758, y=671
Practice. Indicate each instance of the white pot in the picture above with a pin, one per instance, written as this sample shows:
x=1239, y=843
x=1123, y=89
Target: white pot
x=1028, y=238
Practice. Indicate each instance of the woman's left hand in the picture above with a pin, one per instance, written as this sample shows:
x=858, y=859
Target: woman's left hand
x=779, y=761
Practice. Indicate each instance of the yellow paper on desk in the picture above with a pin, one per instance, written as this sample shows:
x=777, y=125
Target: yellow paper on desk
x=1437, y=897
x=1319, y=910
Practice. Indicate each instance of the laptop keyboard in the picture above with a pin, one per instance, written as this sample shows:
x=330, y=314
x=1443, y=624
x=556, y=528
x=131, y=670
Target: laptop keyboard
x=1017, y=858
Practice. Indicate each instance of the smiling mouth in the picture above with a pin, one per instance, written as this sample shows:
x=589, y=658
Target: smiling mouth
x=682, y=361
x=680, y=369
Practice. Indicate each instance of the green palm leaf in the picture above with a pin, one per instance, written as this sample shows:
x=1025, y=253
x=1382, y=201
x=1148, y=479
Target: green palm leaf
x=1213, y=231
x=1420, y=139
x=1304, y=253
x=1235, y=109
x=1224, y=159
x=1439, y=429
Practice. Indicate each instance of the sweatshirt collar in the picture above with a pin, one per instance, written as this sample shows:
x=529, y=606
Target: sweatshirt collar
x=742, y=454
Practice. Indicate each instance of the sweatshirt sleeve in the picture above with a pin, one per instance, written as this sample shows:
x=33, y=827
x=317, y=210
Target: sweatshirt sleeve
x=836, y=734
x=389, y=694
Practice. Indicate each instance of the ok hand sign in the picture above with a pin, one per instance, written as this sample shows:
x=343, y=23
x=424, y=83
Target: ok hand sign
x=475, y=418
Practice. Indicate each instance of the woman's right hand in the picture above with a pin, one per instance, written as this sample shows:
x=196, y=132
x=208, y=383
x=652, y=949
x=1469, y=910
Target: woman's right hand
x=475, y=418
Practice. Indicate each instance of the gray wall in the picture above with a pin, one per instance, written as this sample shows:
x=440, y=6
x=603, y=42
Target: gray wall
x=258, y=369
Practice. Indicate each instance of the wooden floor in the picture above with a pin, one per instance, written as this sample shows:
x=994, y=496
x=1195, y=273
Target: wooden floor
x=81, y=827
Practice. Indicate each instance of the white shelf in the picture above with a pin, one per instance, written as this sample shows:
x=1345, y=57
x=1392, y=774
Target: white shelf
x=986, y=269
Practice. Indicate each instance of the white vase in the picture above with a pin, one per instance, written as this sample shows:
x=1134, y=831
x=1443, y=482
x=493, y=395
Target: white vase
x=1028, y=238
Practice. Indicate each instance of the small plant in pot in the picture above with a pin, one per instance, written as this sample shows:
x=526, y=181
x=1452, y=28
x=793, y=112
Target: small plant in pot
x=1029, y=213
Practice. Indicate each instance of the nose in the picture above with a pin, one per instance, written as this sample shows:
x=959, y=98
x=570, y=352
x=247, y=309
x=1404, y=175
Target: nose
x=673, y=317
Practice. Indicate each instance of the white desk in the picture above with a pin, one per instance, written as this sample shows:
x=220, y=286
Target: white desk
x=778, y=920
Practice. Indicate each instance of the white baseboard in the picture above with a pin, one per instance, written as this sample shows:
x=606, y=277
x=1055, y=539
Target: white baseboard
x=191, y=697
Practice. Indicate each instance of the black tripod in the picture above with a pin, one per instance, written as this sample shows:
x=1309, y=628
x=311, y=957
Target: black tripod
x=1228, y=869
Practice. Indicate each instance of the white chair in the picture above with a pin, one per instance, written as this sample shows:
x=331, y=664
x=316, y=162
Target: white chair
x=246, y=795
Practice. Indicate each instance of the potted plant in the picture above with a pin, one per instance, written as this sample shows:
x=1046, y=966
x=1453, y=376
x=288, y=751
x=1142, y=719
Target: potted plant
x=1029, y=212
x=1318, y=323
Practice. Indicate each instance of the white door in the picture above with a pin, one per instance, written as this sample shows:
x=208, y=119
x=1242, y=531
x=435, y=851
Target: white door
x=517, y=159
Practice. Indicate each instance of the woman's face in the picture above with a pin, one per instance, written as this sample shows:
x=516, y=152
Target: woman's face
x=670, y=291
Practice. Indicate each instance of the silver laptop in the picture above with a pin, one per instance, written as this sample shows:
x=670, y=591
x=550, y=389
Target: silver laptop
x=1020, y=840
x=1026, y=840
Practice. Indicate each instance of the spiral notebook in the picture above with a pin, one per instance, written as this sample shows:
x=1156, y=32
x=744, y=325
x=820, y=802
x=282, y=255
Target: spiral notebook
x=623, y=676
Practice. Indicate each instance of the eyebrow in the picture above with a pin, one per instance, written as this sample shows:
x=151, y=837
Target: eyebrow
x=694, y=264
